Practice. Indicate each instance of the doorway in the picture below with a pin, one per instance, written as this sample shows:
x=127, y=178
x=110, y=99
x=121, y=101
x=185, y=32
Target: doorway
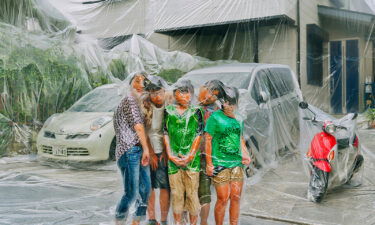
x=344, y=81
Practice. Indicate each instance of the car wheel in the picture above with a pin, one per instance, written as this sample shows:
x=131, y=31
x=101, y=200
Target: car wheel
x=253, y=163
x=112, y=150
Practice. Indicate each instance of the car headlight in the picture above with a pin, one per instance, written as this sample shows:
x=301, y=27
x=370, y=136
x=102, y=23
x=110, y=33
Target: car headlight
x=331, y=128
x=101, y=122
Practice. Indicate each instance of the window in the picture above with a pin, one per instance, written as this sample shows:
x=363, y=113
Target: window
x=315, y=38
x=283, y=80
x=274, y=81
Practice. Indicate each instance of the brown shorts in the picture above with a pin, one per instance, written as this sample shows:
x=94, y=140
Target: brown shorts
x=228, y=175
x=185, y=183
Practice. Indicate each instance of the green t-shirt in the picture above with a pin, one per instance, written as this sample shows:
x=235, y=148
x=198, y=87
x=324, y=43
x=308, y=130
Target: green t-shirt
x=226, y=140
x=182, y=130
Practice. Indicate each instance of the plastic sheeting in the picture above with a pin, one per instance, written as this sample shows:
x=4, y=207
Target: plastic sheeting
x=45, y=71
x=54, y=52
x=332, y=151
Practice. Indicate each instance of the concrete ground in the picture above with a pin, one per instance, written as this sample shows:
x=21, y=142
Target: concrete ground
x=281, y=194
x=34, y=191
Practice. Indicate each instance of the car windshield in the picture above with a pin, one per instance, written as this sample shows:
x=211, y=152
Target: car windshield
x=236, y=79
x=98, y=100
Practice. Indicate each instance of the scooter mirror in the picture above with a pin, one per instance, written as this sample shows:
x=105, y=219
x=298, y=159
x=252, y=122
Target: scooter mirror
x=303, y=105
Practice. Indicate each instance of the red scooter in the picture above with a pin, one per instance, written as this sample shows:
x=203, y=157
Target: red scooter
x=334, y=154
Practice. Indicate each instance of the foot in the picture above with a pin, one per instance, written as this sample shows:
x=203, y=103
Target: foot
x=135, y=222
x=153, y=222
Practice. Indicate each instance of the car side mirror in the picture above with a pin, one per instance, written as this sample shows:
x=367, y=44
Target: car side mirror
x=263, y=97
x=355, y=116
x=303, y=105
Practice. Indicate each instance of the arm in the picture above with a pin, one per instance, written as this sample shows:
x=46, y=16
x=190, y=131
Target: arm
x=167, y=144
x=140, y=130
x=208, y=148
x=245, y=153
x=137, y=123
x=153, y=156
x=171, y=157
x=197, y=140
x=193, y=149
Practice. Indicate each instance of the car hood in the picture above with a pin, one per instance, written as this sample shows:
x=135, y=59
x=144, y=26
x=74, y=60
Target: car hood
x=74, y=122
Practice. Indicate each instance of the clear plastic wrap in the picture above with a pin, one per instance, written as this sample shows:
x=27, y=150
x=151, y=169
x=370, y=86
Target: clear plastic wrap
x=56, y=56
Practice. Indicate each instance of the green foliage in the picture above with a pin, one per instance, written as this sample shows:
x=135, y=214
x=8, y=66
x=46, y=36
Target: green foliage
x=103, y=81
x=39, y=82
x=171, y=75
x=370, y=114
x=117, y=69
x=6, y=134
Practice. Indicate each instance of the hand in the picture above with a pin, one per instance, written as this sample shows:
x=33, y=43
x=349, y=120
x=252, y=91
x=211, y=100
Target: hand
x=176, y=160
x=246, y=160
x=210, y=170
x=154, y=161
x=186, y=159
x=145, y=158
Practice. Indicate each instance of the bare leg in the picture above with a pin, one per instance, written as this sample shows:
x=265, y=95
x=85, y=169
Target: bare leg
x=193, y=219
x=177, y=218
x=235, y=198
x=223, y=193
x=205, y=211
x=164, y=204
x=151, y=206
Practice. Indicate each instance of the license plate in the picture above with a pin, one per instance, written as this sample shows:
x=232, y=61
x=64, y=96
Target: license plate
x=60, y=151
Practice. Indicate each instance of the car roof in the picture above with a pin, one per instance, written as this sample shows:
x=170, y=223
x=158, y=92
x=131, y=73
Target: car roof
x=236, y=67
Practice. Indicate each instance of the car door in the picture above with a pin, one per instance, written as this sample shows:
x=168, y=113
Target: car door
x=287, y=101
x=276, y=90
x=258, y=124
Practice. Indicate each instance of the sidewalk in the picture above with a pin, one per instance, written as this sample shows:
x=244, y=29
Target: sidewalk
x=281, y=194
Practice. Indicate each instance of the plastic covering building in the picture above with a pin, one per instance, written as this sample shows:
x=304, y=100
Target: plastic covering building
x=329, y=44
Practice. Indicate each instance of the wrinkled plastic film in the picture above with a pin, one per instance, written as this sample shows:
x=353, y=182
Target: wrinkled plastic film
x=52, y=53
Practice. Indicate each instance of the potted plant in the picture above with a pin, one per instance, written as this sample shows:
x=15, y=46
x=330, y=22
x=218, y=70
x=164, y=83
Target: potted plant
x=370, y=115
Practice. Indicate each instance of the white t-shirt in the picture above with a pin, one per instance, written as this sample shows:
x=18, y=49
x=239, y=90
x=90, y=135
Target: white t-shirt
x=155, y=133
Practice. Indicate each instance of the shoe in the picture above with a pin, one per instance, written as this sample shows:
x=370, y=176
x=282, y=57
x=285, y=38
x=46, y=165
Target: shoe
x=153, y=222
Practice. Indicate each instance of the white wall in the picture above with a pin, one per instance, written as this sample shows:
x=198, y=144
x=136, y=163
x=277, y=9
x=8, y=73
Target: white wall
x=277, y=44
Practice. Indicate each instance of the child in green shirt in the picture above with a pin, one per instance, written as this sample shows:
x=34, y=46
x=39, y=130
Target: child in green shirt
x=226, y=153
x=183, y=128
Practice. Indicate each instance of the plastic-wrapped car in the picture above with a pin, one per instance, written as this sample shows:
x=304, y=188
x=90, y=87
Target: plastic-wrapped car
x=85, y=131
x=268, y=105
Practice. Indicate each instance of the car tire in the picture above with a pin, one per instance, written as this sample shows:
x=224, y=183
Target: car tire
x=253, y=163
x=112, y=150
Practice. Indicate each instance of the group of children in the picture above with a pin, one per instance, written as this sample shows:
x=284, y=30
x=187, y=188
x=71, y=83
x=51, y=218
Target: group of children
x=179, y=148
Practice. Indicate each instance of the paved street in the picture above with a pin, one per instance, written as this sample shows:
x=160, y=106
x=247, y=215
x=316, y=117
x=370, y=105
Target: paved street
x=35, y=191
x=281, y=195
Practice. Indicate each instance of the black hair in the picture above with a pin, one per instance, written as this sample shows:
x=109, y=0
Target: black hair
x=216, y=85
x=183, y=85
x=155, y=83
x=231, y=95
x=142, y=73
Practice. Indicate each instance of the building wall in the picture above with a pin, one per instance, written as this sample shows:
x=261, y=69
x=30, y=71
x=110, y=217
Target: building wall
x=277, y=44
x=316, y=95
x=342, y=31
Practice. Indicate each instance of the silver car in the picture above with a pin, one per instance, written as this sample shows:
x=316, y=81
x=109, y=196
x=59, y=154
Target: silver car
x=268, y=104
